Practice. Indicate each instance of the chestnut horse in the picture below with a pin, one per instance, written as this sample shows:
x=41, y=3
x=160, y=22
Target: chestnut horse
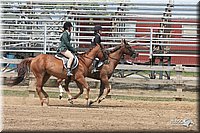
x=106, y=70
x=44, y=66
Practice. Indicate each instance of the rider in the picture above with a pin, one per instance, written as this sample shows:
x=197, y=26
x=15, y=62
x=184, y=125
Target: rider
x=97, y=40
x=65, y=46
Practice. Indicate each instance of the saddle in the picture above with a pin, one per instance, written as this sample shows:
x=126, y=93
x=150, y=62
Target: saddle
x=65, y=60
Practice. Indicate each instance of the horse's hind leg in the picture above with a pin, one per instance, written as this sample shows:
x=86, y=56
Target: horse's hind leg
x=46, y=99
x=67, y=91
x=61, y=90
x=39, y=89
x=80, y=92
x=45, y=78
x=41, y=79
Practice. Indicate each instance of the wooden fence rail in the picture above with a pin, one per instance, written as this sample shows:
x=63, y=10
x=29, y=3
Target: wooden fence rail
x=130, y=67
x=178, y=81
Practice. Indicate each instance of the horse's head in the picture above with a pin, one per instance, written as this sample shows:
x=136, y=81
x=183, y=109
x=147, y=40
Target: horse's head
x=127, y=49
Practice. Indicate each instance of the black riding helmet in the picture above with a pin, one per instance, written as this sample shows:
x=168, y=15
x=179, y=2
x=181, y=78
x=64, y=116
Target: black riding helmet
x=67, y=25
x=97, y=28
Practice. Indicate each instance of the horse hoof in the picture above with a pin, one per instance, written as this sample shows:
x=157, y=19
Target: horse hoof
x=46, y=101
x=70, y=101
x=60, y=97
x=45, y=105
x=90, y=103
x=99, y=101
x=42, y=104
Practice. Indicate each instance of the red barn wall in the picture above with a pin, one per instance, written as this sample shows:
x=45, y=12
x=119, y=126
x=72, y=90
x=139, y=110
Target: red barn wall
x=175, y=60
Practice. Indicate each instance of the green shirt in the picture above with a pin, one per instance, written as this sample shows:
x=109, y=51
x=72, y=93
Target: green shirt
x=65, y=42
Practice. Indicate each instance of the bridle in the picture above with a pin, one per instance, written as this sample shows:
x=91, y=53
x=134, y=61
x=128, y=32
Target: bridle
x=116, y=50
x=113, y=52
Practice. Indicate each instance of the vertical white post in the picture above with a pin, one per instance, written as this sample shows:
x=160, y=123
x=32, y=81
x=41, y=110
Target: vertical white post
x=151, y=47
x=171, y=1
x=45, y=38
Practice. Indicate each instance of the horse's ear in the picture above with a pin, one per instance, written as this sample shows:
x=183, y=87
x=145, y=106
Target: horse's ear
x=123, y=41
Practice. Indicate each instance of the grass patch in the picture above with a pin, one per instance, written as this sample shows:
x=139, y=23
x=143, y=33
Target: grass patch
x=187, y=74
x=142, y=98
x=135, y=98
x=51, y=94
x=172, y=73
x=15, y=93
x=92, y=96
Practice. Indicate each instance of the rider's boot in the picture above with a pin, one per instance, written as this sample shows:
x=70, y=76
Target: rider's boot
x=94, y=69
x=69, y=73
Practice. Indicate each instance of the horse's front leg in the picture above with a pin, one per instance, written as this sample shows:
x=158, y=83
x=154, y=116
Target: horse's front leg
x=81, y=83
x=107, y=88
x=102, y=87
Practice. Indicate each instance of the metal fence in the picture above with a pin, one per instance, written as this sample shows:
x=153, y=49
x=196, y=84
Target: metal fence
x=35, y=26
x=161, y=30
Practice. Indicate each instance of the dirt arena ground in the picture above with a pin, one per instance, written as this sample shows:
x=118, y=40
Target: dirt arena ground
x=26, y=114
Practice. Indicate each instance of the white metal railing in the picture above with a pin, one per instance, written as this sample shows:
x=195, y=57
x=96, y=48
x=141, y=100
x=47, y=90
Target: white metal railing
x=150, y=44
x=119, y=20
x=101, y=21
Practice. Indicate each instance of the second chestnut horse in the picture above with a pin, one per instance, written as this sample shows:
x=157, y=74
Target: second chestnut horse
x=105, y=71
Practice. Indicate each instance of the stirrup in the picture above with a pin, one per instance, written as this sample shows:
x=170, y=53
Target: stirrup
x=94, y=70
x=69, y=73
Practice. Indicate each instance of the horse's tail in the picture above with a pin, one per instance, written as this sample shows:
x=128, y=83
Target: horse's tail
x=22, y=70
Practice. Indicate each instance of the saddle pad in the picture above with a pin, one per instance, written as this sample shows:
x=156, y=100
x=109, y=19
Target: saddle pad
x=65, y=60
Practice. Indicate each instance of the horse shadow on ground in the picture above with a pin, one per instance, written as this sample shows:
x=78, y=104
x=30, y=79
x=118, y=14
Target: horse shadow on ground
x=84, y=106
